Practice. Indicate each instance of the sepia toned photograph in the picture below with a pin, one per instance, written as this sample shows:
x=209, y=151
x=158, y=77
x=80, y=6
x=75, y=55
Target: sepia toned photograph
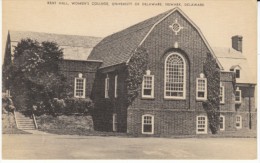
x=132, y=79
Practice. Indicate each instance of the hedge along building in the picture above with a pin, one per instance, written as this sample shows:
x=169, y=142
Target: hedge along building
x=170, y=99
x=175, y=86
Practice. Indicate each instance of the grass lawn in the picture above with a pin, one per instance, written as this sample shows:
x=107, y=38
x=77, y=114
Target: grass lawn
x=82, y=132
x=14, y=131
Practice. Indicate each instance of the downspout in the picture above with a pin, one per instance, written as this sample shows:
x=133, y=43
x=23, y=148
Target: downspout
x=249, y=105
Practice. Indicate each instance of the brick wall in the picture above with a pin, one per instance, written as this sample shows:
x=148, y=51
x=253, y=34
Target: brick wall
x=246, y=93
x=105, y=107
x=170, y=116
x=71, y=70
x=229, y=96
x=159, y=44
x=166, y=121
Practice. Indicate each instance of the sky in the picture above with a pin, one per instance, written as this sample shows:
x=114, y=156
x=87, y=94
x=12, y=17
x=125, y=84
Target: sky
x=218, y=20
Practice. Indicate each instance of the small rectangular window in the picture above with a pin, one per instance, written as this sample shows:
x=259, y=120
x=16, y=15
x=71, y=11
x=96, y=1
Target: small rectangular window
x=148, y=86
x=222, y=95
x=147, y=124
x=114, y=122
x=201, y=124
x=106, y=87
x=116, y=86
x=222, y=123
x=238, y=96
x=79, y=90
x=201, y=89
x=238, y=122
x=237, y=73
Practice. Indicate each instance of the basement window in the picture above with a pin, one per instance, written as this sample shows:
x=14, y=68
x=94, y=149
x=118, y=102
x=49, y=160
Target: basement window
x=201, y=125
x=147, y=124
x=238, y=122
x=222, y=123
x=114, y=122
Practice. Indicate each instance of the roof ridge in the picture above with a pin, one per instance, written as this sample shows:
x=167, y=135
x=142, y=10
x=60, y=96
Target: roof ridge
x=10, y=31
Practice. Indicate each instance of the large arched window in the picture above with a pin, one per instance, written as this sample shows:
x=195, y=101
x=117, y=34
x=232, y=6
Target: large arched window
x=175, y=76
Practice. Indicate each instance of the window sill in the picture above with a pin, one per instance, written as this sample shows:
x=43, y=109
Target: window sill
x=147, y=98
x=174, y=98
x=78, y=97
x=238, y=102
x=201, y=133
x=147, y=133
x=201, y=100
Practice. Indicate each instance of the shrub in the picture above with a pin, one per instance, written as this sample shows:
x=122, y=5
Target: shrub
x=7, y=104
x=78, y=106
x=63, y=122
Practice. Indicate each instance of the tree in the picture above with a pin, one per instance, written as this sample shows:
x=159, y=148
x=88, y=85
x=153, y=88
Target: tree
x=211, y=106
x=35, y=80
x=136, y=69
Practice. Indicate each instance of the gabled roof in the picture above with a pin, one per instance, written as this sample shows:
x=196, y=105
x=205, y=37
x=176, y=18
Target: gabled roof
x=119, y=47
x=75, y=47
x=230, y=59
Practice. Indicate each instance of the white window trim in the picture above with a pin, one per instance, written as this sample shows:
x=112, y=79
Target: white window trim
x=107, y=87
x=152, y=91
x=240, y=122
x=206, y=89
x=184, y=77
x=222, y=129
x=152, y=123
x=116, y=77
x=84, y=87
x=222, y=101
x=206, y=125
x=240, y=98
x=115, y=122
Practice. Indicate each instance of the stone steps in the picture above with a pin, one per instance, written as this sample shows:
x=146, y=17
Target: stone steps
x=23, y=122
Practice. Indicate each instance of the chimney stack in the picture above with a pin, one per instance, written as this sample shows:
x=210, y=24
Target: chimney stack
x=237, y=42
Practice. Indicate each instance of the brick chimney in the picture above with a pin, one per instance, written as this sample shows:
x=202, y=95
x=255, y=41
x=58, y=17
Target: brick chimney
x=237, y=42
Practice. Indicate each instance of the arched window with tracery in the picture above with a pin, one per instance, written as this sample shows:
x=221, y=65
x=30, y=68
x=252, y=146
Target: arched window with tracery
x=175, y=77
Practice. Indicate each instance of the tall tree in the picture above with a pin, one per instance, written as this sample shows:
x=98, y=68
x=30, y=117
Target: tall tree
x=35, y=79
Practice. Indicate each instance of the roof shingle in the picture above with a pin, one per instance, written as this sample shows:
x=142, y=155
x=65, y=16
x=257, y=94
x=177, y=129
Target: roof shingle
x=117, y=48
x=75, y=47
x=230, y=58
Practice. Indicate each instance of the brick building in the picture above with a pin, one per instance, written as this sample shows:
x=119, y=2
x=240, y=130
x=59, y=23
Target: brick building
x=75, y=53
x=174, y=86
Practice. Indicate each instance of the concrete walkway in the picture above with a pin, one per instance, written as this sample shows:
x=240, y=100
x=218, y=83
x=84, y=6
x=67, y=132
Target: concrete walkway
x=40, y=145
